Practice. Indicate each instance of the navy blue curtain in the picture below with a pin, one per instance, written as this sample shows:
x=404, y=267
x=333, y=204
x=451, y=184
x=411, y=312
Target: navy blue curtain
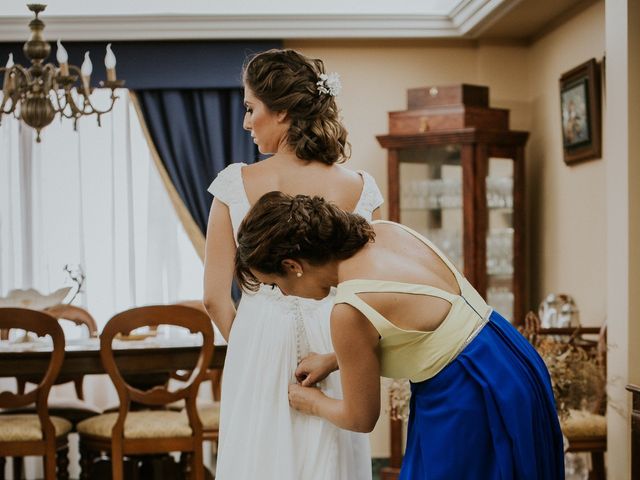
x=197, y=133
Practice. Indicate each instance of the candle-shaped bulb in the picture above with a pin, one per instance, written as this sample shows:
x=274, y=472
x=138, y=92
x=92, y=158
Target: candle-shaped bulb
x=63, y=59
x=110, y=63
x=61, y=53
x=10, y=61
x=87, y=66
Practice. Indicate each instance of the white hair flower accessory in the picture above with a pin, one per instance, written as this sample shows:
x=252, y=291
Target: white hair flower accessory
x=329, y=84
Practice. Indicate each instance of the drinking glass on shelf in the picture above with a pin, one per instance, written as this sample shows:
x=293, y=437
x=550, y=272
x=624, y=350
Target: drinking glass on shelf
x=449, y=242
x=501, y=299
x=433, y=193
x=500, y=252
x=499, y=192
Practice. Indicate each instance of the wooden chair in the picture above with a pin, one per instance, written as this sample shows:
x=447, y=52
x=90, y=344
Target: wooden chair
x=39, y=433
x=153, y=431
x=73, y=409
x=586, y=430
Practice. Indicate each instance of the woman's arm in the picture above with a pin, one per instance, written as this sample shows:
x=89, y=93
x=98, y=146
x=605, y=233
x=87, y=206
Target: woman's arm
x=220, y=250
x=355, y=342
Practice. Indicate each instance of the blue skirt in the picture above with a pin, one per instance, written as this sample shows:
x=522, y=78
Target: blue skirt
x=489, y=414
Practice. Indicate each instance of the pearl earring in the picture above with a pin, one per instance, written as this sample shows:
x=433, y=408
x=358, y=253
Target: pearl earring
x=298, y=274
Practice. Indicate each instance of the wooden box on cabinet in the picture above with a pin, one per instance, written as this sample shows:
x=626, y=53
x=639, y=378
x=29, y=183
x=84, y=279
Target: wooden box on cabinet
x=437, y=96
x=447, y=118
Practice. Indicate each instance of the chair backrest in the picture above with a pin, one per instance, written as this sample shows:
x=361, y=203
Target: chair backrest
x=74, y=314
x=153, y=316
x=63, y=311
x=41, y=324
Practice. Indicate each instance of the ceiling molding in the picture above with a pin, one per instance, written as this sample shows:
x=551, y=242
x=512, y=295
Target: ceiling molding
x=467, y=15
x=172, y=27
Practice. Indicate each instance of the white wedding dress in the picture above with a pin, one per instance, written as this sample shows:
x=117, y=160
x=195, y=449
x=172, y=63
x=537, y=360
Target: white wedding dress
x=261, y=437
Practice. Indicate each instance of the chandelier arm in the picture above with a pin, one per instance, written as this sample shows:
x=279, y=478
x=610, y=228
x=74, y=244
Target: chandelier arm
x=59, y=106
x=64, y=102
x=3, y=104
x=75, y=111
x=85, y=91
x=49, y=80
x=6, y=95
x=113, y=102
x=24, y=72
x=92, y=108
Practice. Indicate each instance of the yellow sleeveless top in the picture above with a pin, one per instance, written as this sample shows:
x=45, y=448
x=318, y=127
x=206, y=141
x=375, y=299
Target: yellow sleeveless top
x=413, y=354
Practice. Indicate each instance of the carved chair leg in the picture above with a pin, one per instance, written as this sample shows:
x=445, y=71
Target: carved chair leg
x=117, y=465
x=3, y=462
x=186, y=465
x=17, y=463
x=597, y=462
x=86, y=462
x=49, y=461
x=62, y=458
x=197, y=464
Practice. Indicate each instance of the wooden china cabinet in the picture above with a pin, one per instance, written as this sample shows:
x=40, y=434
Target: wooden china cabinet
x=456, y=175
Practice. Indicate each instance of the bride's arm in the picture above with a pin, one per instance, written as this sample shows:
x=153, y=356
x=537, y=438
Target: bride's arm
x=220, y=253
x=355, y=342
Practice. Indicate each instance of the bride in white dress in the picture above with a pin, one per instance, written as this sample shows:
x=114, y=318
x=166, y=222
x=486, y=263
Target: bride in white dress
x=292, y=114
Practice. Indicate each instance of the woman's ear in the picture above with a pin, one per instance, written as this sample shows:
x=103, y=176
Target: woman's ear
x=282, y=116
x=291, y=266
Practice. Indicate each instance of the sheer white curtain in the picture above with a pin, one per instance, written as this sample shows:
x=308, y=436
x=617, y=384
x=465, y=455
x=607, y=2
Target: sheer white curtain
x=91, y=198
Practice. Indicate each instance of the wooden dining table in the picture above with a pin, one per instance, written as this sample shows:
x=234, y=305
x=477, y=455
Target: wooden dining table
x=135, y=358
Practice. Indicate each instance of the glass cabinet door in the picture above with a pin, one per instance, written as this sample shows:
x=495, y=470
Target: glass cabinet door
x=430, y=191
x=500, y=236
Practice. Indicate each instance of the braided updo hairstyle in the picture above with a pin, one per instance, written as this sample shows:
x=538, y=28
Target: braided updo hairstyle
x=280, y=227
x=285, y=80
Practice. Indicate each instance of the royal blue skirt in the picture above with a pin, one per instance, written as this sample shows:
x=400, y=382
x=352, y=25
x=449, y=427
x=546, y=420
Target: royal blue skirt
x=489, y=414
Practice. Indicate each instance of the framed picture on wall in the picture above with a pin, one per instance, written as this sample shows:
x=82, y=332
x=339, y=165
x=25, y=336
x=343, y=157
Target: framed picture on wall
x=580, y=93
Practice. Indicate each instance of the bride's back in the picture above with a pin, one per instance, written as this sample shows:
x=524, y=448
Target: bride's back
x=288, y=174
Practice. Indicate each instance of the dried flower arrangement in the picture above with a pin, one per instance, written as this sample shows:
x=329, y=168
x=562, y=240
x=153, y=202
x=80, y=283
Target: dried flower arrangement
x=576, y=368
x=399, y=398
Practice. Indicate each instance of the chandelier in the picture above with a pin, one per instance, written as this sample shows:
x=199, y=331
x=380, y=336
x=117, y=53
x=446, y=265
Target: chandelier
x=37, y=93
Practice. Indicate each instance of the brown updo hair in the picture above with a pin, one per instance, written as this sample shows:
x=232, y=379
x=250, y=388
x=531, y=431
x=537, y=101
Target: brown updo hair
x=280, y=227
x=285, y=80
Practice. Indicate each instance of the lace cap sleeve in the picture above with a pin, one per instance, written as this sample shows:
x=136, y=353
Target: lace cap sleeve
x=371, y=196
x=227, y=186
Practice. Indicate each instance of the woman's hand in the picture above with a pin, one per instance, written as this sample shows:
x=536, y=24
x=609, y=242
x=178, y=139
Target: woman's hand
x=315, y=367
x=305, y=399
